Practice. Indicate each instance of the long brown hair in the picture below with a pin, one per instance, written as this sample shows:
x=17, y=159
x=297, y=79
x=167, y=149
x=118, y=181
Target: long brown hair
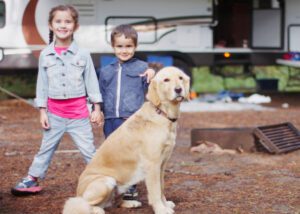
x=73, y=11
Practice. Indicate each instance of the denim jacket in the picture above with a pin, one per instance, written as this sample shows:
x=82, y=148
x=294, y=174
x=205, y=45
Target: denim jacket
x=66, y=76
x=122, y=88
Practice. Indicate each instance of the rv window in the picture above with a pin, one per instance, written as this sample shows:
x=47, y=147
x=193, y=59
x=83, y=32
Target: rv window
x=1, y=54
x=145, y=26
x=2, y=14
x=266, y=4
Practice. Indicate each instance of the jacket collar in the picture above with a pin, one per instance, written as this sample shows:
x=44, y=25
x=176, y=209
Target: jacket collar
x=73, y=48
x=116, y=61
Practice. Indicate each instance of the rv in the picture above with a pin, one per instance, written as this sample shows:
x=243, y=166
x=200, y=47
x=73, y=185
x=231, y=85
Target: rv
x=183, y=33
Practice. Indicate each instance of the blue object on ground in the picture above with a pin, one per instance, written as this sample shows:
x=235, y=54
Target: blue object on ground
x=233, y=95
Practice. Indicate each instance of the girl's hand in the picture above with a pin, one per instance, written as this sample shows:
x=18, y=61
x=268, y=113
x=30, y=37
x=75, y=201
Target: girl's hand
x=97, y=116
x=150, y=73
x=44, y=119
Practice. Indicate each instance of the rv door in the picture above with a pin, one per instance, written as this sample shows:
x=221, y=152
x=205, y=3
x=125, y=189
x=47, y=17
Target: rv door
x=267, y=24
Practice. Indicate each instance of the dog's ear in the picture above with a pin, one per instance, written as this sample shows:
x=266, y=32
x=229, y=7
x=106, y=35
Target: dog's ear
x=186, y=83
x=152, y=95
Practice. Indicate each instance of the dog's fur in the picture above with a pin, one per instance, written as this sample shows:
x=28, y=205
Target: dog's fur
x=138, y=150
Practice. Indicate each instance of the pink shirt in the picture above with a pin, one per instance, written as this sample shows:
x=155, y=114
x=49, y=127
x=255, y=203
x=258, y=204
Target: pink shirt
x=74, y=108
x=59, y=50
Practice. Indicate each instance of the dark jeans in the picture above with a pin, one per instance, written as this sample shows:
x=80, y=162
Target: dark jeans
x=111, y=125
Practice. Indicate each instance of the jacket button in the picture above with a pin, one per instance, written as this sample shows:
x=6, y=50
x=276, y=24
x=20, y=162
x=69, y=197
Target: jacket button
x=63, y=84
x=63, y=74
x=64, y=95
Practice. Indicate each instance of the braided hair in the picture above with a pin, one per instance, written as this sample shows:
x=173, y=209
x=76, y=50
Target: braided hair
x=73, y=11
x=50, y=36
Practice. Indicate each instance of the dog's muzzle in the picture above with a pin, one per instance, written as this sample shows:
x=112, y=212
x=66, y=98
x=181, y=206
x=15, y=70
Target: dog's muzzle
x=178, y=92
x=179, y=98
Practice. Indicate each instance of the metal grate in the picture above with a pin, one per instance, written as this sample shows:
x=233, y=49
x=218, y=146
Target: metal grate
x=278, y=138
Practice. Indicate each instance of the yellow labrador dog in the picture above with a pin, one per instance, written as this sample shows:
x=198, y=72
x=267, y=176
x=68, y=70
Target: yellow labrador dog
x=138, y=150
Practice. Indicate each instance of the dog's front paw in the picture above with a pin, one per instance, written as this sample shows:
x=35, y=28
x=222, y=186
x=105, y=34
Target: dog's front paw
x=131, y=204
x=160, y=209
x=170, y=204
x=97, y=210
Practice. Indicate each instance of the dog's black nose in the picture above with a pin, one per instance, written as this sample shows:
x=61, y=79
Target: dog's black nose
x=178, y=90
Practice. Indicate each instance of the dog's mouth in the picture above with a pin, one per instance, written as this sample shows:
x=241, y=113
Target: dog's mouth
x=179, y=98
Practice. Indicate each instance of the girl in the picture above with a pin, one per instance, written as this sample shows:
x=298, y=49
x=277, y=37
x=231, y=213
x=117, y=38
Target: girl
x=66, y=77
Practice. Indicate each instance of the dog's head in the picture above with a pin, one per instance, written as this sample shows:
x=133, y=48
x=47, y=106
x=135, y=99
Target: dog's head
x=169, y=84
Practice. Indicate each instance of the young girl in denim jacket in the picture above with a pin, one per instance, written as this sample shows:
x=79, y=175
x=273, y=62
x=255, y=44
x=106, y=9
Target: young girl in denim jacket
x=66, y=78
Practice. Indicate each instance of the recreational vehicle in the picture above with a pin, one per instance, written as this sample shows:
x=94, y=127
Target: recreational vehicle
x=184, y=33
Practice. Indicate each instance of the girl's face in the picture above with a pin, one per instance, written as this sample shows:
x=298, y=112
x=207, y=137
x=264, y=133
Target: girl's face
x=124, y=48
x=63, y=26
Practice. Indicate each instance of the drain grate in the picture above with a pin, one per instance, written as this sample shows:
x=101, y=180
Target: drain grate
x=278, y=138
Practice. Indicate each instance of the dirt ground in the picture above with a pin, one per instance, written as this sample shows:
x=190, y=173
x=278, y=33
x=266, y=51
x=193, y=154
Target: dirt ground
x=209, y=184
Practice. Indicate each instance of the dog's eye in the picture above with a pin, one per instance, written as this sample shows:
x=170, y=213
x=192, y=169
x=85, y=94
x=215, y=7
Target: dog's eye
x=180, y=78
x=166, y=80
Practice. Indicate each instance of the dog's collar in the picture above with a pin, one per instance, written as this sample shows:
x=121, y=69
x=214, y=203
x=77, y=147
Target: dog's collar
x=161, y=112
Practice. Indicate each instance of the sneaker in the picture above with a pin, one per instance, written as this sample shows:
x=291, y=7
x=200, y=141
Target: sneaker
x=131, y=194
x=28, y=186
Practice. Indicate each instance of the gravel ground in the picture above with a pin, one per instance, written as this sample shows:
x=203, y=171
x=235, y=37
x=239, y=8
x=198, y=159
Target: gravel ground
x=197, y=183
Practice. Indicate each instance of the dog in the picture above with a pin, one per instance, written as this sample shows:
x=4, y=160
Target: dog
x=137, y=151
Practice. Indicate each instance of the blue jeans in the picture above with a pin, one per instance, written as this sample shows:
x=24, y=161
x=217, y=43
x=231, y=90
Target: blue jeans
x=111, y=125
x=81, y=133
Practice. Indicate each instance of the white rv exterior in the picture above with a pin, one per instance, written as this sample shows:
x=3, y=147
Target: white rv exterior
x=190, y=31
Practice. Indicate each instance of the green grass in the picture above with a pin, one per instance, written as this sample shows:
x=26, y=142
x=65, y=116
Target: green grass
x=22, y=85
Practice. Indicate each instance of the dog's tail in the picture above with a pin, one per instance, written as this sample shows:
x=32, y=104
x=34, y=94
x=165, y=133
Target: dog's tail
x=77, y=206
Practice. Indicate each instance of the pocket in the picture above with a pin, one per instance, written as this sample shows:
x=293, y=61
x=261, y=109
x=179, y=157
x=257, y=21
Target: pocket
x=133, y=75
x=133, y=81
x=78, y=64
x=77, y=68
x=49, y=64
x=51, y=68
